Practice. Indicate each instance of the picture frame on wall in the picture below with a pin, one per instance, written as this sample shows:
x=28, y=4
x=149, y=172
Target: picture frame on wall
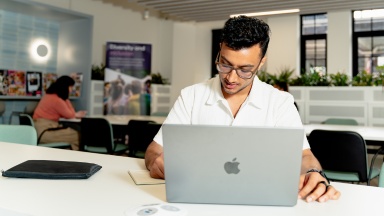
x=34, y=83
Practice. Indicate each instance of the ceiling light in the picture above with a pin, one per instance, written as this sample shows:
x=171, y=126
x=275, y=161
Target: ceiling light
x=146, y=14
x=267, y=13
x=40, y=50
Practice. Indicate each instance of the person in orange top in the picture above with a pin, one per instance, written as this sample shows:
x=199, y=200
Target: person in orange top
x=53, y=106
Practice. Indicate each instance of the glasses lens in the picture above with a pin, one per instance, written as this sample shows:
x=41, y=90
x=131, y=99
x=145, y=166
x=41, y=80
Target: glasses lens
x=242, y=73
x=246, y=75
x=223, y=68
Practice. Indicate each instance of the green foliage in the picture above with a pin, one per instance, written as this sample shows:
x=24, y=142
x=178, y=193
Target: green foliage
x=156, y=78
x=311, y=79
x=314, y=78
x=97, y=72
x=363, y=78
x=339, y=79
x=378, y=79
x=284, y=76
x=264, y=76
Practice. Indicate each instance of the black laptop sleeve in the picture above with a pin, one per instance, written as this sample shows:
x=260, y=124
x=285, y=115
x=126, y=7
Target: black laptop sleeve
x=50, y=169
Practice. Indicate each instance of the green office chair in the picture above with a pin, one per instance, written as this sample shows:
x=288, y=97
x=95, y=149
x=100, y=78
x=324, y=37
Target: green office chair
x=338, y=121
x=97, y=136
x=381, y=177
x=25, y=119
x=21, y=134
x=343, y=155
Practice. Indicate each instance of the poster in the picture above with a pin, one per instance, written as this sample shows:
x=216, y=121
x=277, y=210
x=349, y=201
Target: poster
x=131, y=59
x=15, y=82
x=34, y=83
x=49, y=78
x=127, y=79
x=76, y=90
x=3, y=82
x=125, y=94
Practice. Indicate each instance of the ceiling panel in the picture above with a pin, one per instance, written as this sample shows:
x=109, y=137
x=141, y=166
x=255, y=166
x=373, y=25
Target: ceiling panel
x=212, y=10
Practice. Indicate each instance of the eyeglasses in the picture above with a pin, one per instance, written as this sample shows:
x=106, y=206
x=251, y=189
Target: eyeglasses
x=244, y=72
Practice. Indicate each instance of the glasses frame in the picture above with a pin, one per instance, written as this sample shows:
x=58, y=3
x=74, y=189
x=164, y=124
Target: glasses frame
x=233, y=68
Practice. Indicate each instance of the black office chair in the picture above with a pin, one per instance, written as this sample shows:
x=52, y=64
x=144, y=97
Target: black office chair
x=25, y=119
x=97, y=136
x=343, y=155
x=140, y=135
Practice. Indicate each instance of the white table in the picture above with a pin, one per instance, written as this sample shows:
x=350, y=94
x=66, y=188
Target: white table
x=367, y=132
x=121, y=119
x=111, y=191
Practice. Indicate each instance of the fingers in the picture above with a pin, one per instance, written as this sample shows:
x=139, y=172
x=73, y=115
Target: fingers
x=309, y=184
x=157, y=168
x=318, y=192
x=301, y=182
x=312, y=187
x=331, y=194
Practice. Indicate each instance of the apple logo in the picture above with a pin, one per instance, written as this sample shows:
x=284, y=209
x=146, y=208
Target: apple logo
x=232, y=167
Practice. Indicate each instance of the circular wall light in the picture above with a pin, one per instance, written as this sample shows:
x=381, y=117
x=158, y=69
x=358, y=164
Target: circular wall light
x=40, y=50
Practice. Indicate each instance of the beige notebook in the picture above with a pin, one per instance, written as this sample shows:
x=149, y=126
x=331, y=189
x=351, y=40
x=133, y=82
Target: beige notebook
x=142, y=177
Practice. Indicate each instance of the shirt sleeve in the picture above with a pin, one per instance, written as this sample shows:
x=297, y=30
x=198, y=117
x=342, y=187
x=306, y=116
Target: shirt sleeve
x=288, y=116
x=65, y=109
x=179, y=114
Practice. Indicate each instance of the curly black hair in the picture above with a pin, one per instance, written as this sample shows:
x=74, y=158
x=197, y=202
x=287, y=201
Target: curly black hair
x=60, y=87
x=243, y=32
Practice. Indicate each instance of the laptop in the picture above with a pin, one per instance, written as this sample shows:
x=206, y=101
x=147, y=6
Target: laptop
x=232, y=164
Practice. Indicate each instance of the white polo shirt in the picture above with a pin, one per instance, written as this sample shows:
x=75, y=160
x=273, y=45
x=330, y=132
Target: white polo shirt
x=205, y=104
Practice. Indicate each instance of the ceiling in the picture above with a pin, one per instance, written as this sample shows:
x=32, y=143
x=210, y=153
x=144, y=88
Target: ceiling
x=213, y=10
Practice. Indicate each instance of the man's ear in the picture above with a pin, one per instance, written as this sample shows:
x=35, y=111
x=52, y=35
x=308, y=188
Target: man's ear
x=262, y=62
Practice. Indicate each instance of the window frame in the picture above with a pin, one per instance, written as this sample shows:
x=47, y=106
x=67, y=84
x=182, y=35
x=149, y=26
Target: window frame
x=355, y=45
x=305, y=38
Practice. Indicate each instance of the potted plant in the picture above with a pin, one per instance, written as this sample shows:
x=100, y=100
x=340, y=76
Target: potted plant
x=284, y=76
x=363, y=78
x=156, y=78
x=339, y=79
x=312, y=78
x=97, y=72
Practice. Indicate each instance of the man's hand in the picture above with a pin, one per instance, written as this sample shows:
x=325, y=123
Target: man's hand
x=156, y=170
x=154, y=160
x=313, y=186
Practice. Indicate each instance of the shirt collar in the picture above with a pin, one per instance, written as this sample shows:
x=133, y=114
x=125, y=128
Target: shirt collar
x=254, y=98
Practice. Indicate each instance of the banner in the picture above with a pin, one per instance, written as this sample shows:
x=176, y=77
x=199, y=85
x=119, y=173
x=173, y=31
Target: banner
x=127, y=79
x=129, y=58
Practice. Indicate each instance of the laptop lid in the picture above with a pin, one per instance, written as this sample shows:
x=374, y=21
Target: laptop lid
x=232, y=165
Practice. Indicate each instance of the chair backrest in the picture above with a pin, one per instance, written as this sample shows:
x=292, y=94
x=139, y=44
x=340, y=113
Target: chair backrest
x=2, y=107
x=25, y=119
x=21, y=134
x=30, y=107
x=341, y=151
x=2, y=110
x=381, y=177
x=96, y=132
x=140, y=135
x=337, y=121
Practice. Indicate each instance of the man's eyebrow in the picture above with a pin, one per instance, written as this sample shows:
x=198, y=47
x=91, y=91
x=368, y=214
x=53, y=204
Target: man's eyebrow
x=226, y=60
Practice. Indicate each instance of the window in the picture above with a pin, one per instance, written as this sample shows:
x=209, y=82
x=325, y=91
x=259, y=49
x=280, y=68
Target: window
x=314, y=43
x=368, y=40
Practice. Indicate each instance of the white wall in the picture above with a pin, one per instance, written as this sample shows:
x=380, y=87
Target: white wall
x=285, y=43
x=339, y=39
x=113, y=23
x=184, y=55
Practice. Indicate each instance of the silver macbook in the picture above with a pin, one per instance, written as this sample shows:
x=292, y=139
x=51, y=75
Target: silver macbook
x=232, y=165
